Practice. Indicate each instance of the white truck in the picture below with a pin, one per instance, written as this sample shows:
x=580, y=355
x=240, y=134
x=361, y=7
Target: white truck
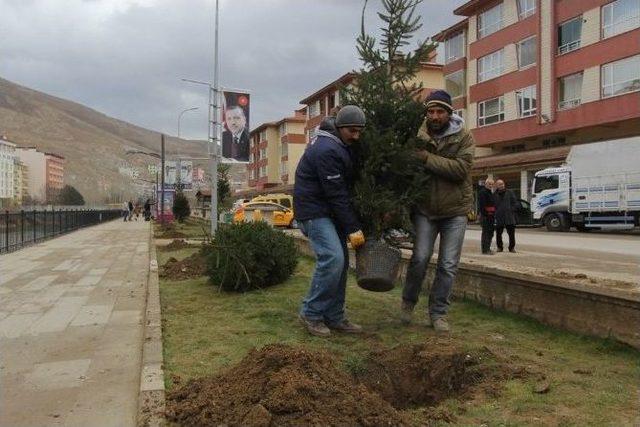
x=597, y=188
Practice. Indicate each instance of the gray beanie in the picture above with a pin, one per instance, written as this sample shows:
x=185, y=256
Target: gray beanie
x=350, y=115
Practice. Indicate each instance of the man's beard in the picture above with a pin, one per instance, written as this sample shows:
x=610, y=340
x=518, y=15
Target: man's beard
x=436, y=127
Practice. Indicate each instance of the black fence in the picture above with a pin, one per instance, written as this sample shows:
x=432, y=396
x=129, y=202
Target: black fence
x=18, y=229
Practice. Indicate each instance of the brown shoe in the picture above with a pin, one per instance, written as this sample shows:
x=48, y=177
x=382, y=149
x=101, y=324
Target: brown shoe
x=347, y=327
x=315, y=327
x=406, y=312
x=441, y=325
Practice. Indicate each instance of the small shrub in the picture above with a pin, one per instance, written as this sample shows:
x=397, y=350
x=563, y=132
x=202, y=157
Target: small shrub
x=250, y=255
x=181, y=209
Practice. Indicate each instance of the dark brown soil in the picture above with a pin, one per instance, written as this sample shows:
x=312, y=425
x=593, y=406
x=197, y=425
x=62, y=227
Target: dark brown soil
x=409, y=376
x=175, y=245
x=171, y=234
x=191, y=267
x=281, y=385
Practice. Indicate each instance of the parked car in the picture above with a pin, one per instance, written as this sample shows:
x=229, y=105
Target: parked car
x=282, y=216
x=285, y=200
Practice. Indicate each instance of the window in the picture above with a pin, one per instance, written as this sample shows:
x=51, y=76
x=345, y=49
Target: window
x=527, y=52
x=263, y=171
x=526, y=8
x=263, y=153
x=284, y=149
x=490, y=66
x=620, y=16
x=570, y=91
x=546, y=183
x=263, y=135
x=283, y=129
x=459, y=112
x=251, y=158
x=526, y=101
x=490, y=21
x=454, y=48
x=284, y=168
x=569, y=35
x=455, y=84
x=621, y=77
x=491, y=111
x=314, y=109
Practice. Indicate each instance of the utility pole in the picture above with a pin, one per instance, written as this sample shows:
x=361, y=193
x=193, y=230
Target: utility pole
x=162, y=181
x=216, y=124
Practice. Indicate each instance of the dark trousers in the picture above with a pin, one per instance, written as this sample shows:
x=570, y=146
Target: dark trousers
x=511, y=231
x=487, y=224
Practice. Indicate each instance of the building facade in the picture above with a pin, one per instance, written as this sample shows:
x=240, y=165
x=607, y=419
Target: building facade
x=20, y=182
x=292, y=144
x=54, y=175
x=7, y=155
x=533, y=77
x=36, y=164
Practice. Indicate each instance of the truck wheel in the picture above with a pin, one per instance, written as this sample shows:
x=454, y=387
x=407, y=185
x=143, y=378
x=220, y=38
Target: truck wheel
x=555, y=222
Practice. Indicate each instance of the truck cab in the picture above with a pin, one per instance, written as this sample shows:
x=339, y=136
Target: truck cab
x=550, y=200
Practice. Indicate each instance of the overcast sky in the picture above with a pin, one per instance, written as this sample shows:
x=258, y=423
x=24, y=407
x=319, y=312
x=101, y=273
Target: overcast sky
x=125, y=58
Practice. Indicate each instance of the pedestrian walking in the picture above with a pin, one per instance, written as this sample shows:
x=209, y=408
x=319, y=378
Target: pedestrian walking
x=147, y=210
x=487, y=213
x=130, y=206
x=125, y=211
x=323, y=208
x=448, y=159
x=506, y=207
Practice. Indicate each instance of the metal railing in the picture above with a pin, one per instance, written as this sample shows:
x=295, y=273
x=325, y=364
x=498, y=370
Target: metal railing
x=21, y=228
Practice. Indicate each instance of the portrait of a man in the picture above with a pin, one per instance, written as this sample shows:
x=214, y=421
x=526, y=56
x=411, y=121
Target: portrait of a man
x=235, y=137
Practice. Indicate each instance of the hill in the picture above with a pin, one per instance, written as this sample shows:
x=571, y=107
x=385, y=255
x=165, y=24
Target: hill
x=93, y=144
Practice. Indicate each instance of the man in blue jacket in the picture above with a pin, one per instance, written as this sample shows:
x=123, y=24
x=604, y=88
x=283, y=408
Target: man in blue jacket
x=323, y=208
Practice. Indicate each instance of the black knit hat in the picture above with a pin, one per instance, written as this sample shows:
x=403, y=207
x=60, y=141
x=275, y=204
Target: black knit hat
x=439, y=98
x=350, y=116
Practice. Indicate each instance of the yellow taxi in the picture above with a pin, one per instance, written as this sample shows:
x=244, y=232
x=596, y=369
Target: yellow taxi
x=282, y=216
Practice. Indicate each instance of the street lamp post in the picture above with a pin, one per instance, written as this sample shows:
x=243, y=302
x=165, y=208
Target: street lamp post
x=180, y=117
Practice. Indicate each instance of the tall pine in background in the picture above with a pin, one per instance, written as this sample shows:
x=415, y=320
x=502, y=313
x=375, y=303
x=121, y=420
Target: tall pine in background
x=389, y=179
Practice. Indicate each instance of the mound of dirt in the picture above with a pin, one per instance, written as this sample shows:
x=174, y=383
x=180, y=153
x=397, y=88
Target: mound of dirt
x=281, y=385
x=191, y=267
x=175, y=245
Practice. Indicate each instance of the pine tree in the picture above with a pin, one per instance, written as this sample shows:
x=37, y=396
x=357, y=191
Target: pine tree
x=181, y=209
x=69, y=196
x=389, y=179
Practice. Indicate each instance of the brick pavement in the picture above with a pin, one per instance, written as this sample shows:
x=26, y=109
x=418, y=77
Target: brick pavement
x=71, y=332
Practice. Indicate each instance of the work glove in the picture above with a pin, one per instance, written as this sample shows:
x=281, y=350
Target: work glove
x=356, y=239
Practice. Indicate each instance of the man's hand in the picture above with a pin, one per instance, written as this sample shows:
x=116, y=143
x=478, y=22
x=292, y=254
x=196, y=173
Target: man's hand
x=421, y=154
x=356, y=239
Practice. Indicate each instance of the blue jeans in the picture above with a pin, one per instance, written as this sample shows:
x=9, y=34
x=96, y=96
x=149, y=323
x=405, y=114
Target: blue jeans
x=451, y=232
x=326, y=298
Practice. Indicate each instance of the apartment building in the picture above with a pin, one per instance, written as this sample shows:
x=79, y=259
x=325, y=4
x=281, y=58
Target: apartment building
x=276, y=148
x=20, y=182
x=532, y=77
x=54, y=175
x=7, y=155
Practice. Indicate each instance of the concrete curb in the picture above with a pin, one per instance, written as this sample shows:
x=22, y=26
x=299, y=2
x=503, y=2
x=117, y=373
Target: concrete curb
x=151, y=400
x=604, y=313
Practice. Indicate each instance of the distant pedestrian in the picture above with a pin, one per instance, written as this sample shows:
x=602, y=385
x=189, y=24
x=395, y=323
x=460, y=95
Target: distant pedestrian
x=130, y=206
x=506, y=207
x=147, y=210
x=125, y=211
x=487, y=208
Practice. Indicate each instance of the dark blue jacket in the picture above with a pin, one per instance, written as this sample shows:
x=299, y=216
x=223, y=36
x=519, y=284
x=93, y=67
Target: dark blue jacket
x=324, y=179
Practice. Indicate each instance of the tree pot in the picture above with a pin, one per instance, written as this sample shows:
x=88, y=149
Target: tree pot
x=377, y=265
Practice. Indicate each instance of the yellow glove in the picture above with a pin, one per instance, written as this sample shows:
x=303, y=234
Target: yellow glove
x=356, y=239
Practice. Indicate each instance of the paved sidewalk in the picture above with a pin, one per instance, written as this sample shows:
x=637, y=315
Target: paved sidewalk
x=71, y=332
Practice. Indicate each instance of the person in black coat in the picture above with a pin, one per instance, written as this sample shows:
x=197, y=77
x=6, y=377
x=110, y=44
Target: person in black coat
x=324, y=210
x=506, y=206
x=487, y=210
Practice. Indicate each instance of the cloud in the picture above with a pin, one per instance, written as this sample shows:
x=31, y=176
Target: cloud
x=126, y=57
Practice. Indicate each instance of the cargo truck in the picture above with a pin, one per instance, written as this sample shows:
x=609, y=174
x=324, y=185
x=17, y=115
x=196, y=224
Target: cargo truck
x=597, y=188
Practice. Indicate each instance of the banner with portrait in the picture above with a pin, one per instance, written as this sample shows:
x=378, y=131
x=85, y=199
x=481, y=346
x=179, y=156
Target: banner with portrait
x=235, y=133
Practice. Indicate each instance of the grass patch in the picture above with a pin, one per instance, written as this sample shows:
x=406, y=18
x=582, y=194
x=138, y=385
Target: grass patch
x=191, y=227
x=592, y=381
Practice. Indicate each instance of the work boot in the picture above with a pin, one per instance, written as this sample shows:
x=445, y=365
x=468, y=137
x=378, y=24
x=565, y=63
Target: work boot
x=489, y=252
x=347, y=327
x=512, y=250
x=315, y=327
x=441, y=325
x=406, y=312
x=500, y=250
